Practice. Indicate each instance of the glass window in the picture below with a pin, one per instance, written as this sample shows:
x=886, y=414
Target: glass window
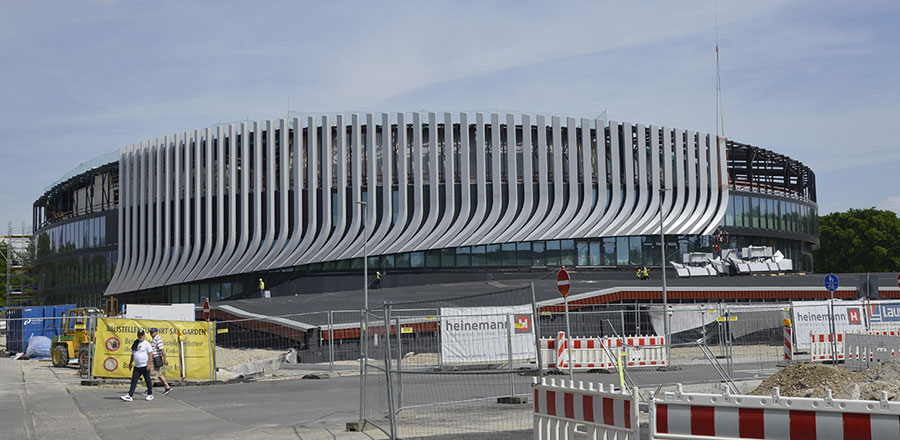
x=621, y=251
x=387, y=261
x=650, y=245
x=342, y=264
x=523, y=254
x=417, y=259
x=738, y=207
x=634, y=251
x=584, y=254
x=508, y=254
x=748, y=212
x=401, y=260
x=537, y=253
x=729, y=212
x=596, y=253
x=448, y=257
x=755, y=212
x=567, y=252
x=194, y=295
x=433, y=258
x=763, y=213
x=464, y=256
x=492, y=251
x=773, y=213
x=552, y=253
x=478, y=256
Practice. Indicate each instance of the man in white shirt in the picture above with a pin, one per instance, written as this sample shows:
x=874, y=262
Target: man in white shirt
x=140, y=358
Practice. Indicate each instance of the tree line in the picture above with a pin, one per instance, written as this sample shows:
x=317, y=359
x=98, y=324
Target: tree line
x=858, y=240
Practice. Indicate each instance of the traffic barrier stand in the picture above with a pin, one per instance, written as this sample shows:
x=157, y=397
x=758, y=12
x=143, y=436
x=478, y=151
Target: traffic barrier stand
x=788, y=345
x=597, y=353
x=821, y=348
x=643, y=351
x=548, y=352
x=677, y=415
x=568, y=409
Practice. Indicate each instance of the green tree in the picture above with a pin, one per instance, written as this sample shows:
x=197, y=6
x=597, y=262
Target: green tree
x=859, y=240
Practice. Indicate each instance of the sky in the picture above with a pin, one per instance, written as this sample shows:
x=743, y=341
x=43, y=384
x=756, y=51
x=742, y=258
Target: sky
x=818, y=81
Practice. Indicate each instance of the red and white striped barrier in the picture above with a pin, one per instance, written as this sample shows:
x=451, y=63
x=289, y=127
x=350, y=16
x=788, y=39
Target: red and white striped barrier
x=642, y=351
x=564, y=410
x=821, y=347
x=788, y=345
x=600, y=353
x=726, y=416
x=548, y=352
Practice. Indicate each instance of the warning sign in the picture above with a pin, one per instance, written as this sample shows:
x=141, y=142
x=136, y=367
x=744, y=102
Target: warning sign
x=112, y=356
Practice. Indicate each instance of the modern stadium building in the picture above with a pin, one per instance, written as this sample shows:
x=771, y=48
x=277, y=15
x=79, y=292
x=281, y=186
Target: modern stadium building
x=426, y=196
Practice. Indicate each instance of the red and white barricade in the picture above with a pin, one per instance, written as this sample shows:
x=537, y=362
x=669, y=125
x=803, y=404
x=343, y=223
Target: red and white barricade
x=569, y=408
x=548, y=352
x=677, y=415
x=821, y=347
x=642, y=351
x=598, y=353
x=788, y=344
x=587, y=354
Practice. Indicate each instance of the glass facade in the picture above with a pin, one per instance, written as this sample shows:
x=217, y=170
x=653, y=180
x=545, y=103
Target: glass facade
x=771, y=213
x=76, y=260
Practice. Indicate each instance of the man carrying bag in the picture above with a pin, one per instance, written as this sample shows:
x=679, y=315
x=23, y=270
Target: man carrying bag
x=159, y=358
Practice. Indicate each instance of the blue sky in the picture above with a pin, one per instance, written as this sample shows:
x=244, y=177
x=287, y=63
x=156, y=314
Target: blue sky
x=818, y=81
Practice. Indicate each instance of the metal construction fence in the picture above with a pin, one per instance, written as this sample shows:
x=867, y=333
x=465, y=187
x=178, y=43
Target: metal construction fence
x=464, y=365
x=460, y=366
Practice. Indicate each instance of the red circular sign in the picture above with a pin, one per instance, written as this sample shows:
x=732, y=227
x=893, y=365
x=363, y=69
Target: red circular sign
x=562, y=282
x=898, y=280
x=110, y=364
x=112, y=344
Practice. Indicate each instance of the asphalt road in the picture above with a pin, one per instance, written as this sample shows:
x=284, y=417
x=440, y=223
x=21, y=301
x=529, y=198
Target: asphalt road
x=38, y=401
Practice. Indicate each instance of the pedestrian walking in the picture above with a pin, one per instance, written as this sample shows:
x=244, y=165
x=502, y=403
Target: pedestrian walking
x=140, y=359
x=262, y=288
x=159, y=359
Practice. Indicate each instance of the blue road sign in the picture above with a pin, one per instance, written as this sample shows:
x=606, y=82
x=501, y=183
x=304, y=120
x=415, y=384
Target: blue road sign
x=831, y=282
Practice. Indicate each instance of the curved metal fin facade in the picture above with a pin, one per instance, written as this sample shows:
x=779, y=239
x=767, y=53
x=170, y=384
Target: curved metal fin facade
x=264, y=195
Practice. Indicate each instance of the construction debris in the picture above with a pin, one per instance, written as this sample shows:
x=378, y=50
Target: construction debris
x=811, y=380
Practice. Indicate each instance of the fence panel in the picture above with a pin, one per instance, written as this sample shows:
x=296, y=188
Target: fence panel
x=460, y=366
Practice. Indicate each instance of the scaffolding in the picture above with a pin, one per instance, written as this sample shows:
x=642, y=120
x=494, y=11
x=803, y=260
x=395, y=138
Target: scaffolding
x=17, y=244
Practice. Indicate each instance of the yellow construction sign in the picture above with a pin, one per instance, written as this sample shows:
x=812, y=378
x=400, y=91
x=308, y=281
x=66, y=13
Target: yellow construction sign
x=114, y=337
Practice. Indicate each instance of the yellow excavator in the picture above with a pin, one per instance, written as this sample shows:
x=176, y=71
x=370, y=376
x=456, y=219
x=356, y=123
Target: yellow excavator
x=74, y=342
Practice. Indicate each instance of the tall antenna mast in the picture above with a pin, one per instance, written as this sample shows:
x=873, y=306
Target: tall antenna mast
x=720, y=108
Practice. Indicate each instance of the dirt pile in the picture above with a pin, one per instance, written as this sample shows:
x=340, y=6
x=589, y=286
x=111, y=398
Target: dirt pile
x=811, y=380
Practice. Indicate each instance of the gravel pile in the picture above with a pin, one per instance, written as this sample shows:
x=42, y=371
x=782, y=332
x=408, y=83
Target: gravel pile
x=811, y=380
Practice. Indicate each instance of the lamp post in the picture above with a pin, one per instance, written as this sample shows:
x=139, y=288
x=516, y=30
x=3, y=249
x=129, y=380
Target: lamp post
x=365, y=258
x=665, y=295
x=364, y=359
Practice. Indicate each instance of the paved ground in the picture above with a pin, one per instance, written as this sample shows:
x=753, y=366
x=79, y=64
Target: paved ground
x=50, y=404
x=38, y=401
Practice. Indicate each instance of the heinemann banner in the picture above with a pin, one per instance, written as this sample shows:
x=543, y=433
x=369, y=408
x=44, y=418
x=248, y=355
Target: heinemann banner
x=112, y=347
x=815, y=317
x=482, y=334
